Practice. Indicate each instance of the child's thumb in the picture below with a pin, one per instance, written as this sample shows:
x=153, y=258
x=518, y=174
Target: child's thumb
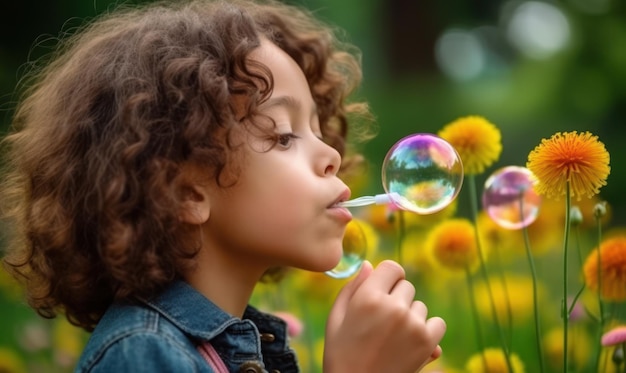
x=337, y=313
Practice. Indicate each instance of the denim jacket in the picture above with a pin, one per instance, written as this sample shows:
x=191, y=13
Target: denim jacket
x=162, y=335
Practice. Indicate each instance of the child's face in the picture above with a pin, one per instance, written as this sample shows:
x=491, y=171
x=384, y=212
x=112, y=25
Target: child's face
x=281, y=211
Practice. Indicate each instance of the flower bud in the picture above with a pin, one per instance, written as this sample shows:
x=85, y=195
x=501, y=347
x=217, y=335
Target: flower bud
x=575, y=216
x=599, y=210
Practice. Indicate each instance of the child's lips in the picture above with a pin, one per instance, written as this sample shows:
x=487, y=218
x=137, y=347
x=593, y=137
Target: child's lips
x=344, y=196
x=339, y=212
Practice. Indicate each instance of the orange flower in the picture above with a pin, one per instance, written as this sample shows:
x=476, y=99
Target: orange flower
x=477, y=141
x=579, y=159
x=612, y=269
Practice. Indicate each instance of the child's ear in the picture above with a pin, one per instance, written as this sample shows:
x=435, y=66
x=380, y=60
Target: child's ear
x=195, y=208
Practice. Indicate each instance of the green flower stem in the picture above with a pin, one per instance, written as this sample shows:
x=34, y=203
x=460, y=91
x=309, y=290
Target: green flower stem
x=624, y=353
x=472, y=298
x=509, y=311
x=564, y=305
x=309, y=336
x=578, y=248
x=401, y=234
x=533, y=272
x=600, y=302
x=573, y=304
x=483, y=270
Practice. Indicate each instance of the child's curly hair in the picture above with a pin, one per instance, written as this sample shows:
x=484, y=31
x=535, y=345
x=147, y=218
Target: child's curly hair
x=104, y=129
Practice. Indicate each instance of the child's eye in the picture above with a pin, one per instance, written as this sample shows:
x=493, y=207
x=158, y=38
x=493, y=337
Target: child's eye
x=284, y=139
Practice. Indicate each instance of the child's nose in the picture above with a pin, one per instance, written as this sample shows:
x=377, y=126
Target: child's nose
x=330, y=161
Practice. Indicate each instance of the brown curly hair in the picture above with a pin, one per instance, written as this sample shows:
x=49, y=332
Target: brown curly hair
x=104, y=129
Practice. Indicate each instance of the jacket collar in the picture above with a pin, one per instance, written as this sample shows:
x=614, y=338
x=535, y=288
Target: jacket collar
x=197, y=316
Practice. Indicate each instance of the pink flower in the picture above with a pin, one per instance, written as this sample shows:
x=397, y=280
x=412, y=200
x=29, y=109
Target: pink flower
x=578, y=311
x=294, y=325
x=614, y=336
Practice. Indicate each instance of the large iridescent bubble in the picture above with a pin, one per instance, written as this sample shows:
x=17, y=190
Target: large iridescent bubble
x=422, y=173
x=510, y=199
x=354, y=250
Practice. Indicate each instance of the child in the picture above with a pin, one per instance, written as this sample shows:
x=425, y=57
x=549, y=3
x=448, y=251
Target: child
x=168, y=158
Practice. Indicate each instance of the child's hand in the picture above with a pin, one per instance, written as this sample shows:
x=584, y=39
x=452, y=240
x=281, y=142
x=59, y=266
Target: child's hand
x=376, y=326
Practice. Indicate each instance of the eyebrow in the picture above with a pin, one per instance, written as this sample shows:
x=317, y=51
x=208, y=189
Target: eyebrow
x=289, y=102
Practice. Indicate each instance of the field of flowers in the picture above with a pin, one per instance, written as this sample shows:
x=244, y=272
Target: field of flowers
x=545, y=295
x=536, y=296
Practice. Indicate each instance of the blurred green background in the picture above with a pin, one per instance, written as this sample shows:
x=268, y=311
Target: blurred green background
x=532, y=68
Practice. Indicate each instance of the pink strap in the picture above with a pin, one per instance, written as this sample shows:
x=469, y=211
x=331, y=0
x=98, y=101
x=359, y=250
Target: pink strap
x=210, y=355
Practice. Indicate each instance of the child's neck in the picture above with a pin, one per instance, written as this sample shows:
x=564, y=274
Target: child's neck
x=223, y=280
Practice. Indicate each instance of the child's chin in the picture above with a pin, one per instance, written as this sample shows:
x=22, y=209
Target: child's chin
x=332, y=262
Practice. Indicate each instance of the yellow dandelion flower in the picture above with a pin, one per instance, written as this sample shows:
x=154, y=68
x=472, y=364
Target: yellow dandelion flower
x=579, y=346
x=477, y=141
x=577, y=158
x=412, y=220
x=8, y=285
x=317, y=286
x=452, y=244
x=10, y=361
x=68, y=342
x=512, y=295
x=493, y=360
x=302, y=350
x=418, y=262
x=612, y=269
x=507, y=245
x=381, y=217
x=354, y=240
x=371, y=237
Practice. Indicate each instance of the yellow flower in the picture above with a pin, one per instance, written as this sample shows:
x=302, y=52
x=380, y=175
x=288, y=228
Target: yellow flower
x=453, y=245
x=10, y=362
x=477, y=141
x=579, y=348
x=381, y=217
x=68, y=342
x=419, y=263
x=354, y=240
x=493, y=360
x=579, y=159
x=612, y=269
x=316, y=285
x=507, y=245
x=8, y=285
x=512, y=297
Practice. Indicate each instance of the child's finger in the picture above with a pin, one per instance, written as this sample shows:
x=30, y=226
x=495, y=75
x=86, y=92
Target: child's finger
x=437, y=327
x=436, y=353
x=404, y=291
x=385, y=277
x=434, y=356
x=343, y=298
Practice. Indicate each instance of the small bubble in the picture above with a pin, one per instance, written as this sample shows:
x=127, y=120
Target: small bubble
x=510, y=199
x=354, y=250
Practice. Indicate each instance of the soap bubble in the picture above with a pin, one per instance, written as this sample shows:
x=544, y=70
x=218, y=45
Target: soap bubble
x=354, y=249
x=506, y=191
x=422, y=173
